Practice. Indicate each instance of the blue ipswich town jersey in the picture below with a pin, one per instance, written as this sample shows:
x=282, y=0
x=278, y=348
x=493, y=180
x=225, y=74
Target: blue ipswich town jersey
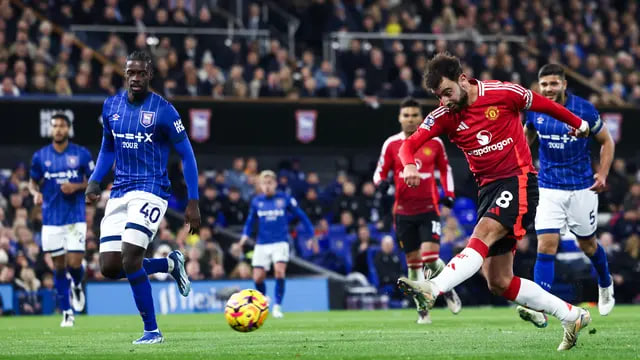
x=565, y=161
x=271, y=215
x=54, y=169
x=141, y=136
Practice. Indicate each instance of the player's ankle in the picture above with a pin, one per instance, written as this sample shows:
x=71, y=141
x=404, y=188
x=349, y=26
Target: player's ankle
x=170, y=264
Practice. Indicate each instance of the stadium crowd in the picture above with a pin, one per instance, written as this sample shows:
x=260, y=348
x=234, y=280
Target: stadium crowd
x=598, y=40
x=349, y=214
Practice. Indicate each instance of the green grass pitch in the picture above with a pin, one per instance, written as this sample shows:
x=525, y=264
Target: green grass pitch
x=476, y=333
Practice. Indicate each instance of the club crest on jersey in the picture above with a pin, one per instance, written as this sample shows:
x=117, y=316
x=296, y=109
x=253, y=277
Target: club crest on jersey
x=427, y=151
x=540, y=120
x=47, y=163
x=492, y=113
x=73, y=161
x=147, y=118
x=279, y=203
x=428, y=122
x=115, y=117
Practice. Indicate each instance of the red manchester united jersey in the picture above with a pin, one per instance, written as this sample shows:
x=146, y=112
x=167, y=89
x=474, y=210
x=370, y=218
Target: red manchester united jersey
x=428, y=157
x=489, y=131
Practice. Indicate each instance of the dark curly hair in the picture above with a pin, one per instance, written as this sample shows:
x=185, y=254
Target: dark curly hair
x=440, y=66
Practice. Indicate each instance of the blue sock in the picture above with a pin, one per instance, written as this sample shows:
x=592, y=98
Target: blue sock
x=599, y=261
x=279, y=291
x=151, y=266
x=141, y=288
x=262, y=288
x=155, y=265
x=62, y=283
x=543, y=271
x=76, y=274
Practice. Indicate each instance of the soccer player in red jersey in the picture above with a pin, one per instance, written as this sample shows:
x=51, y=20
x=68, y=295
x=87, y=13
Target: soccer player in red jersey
x=416, y=213
x=483, y=119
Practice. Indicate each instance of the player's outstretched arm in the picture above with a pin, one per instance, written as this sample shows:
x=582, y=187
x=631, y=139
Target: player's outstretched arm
x=106, y=157
x=190, y=172
x=607, y=150
x=541, y=104
x=431, y=127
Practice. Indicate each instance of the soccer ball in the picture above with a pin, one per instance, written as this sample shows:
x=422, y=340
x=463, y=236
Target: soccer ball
x=246, y=310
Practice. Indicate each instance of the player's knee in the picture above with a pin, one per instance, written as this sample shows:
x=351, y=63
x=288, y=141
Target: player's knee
x=110, y=271
x=547, y=248
x=588, y=246
x=489, y=231
x=131, y=263
x=498, y=285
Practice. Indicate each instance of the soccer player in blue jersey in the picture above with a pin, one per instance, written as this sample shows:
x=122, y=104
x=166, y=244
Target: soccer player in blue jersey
x=139, y=128
x=568, y=187
x=269, y=210
x=59, y=174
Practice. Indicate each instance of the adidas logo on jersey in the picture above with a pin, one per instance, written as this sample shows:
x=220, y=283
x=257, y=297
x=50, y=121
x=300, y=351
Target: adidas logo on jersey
x=462, y=126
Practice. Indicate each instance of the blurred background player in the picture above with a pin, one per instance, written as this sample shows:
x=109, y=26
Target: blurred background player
x=59, y=174
x=568, y=193
x=416, y=212
x=483, y=119
x=139, y=127
x=268, y=217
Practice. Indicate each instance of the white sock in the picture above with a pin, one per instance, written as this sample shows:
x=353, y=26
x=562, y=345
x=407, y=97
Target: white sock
x=171, y=264
x=527, y=293
x=461, y=267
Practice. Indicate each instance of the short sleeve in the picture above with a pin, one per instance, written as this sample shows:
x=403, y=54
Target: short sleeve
x=530, y=120
x=171, y=124
x=520, y=97
x=593, y=118
x=36, y=167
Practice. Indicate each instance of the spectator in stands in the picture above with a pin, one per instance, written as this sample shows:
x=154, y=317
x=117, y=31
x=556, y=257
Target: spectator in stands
x=632, y=198
x=235, y=209
x=312, y=206
x=241, y=271
x=370, y=207
x=387, y=263
x=625, y=269
x=29, y=302
x=359, y=250
x=193, y=270
x=237, y=178
x=347, y=201
x=8, y=87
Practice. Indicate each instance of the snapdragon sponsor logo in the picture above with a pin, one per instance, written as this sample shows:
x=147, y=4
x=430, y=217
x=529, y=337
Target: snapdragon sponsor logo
x=499, y=146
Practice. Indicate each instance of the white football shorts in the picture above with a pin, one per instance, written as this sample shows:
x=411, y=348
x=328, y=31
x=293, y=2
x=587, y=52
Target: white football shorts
x=137, y=210
x=575, y=210
x=266, y=254
x=61, y=239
